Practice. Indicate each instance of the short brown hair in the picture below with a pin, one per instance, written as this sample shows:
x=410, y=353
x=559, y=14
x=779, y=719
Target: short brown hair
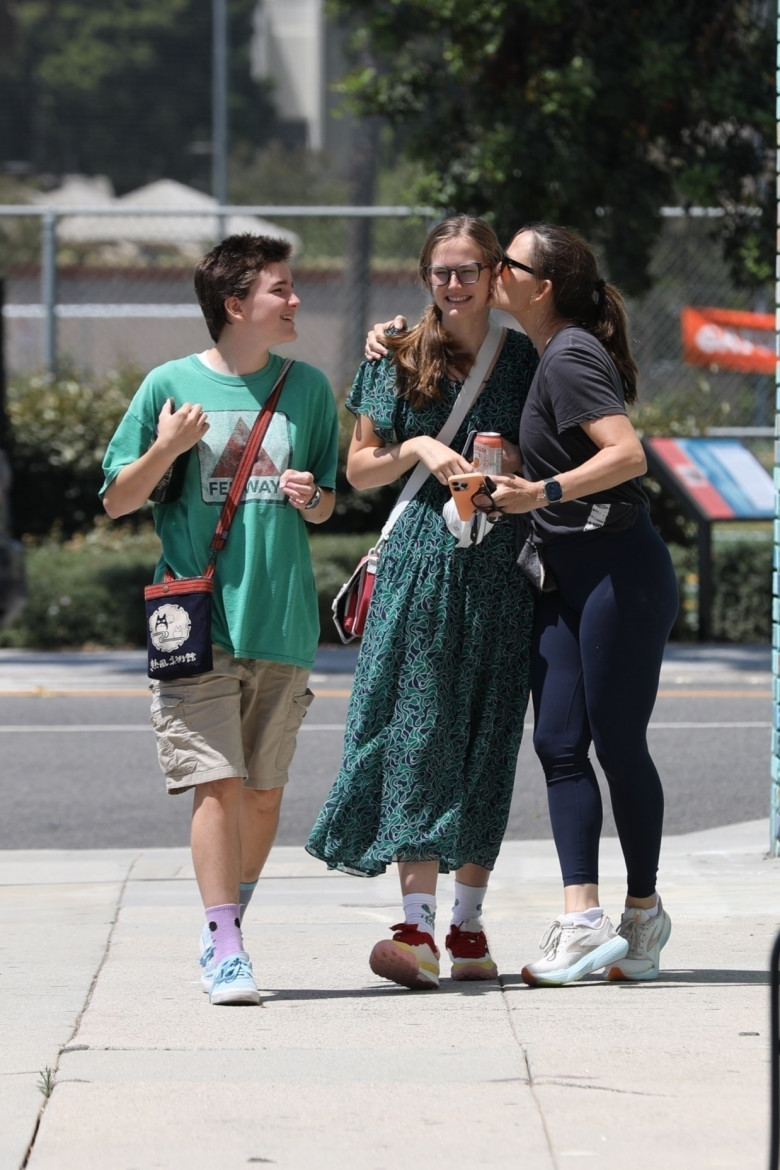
x=230, y=269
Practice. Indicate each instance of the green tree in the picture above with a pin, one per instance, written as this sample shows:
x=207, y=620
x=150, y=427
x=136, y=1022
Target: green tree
x=587, y=112
x=123, y=88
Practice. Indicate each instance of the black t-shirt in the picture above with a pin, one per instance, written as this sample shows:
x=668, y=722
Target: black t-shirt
x=576, y=381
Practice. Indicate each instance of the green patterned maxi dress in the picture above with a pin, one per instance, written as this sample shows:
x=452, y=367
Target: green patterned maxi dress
x=441, y=682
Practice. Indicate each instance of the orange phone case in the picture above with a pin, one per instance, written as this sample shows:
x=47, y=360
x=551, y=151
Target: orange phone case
x=463, y=488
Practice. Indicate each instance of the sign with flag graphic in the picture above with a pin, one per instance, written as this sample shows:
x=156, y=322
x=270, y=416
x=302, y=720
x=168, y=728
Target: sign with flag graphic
x=720, y=478
x=729, y=338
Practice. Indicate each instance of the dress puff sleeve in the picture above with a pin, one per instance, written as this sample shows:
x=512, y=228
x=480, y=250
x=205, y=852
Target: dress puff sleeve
x=373, y=395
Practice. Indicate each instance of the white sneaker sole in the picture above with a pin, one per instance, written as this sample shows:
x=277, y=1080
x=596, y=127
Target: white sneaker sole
x=608, y=952
x=398, y=963
x=221, y=996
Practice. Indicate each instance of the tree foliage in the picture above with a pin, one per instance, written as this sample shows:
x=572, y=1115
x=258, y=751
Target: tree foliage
x=123, y=88
x=594, y=114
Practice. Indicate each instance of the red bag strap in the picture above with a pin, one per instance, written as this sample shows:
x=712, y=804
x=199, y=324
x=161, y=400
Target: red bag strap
x=256, y=436
x=239, y=483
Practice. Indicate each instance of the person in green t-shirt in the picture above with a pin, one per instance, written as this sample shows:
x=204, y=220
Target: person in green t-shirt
x=230, y=734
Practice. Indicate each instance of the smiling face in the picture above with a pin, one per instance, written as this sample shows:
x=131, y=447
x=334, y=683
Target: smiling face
x=269, y=306
x=456, y=300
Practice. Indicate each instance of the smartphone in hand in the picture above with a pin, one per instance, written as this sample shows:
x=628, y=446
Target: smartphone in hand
x=463, y=487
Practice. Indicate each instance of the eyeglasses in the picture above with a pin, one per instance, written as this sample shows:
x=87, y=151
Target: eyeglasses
x=508, y=262
x=483, y=501
x=440, y=275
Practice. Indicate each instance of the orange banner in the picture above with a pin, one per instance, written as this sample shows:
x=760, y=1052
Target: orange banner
x=729, y=338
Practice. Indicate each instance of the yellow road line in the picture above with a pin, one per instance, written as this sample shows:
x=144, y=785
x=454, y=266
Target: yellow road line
x=334, y=693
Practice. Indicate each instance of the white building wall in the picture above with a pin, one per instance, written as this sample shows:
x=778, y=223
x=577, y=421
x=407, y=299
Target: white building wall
x=290, y=49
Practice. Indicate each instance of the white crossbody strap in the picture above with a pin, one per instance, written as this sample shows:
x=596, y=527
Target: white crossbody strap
x=480, y=372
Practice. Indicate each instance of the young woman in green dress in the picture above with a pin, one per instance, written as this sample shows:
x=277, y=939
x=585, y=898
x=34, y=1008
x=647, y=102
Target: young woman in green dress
x=441, y=682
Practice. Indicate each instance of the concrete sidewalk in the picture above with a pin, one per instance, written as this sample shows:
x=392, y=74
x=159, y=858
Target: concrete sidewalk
x=338, y=1070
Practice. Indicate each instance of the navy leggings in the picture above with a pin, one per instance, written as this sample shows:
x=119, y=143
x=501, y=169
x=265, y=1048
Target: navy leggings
x=595, y=665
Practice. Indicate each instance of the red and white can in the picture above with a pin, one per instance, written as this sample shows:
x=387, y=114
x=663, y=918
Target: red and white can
x=488, y=452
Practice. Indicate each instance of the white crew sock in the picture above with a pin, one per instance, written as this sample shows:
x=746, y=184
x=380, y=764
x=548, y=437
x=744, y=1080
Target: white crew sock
x=467, y=906
x=590, y=917
x=421, y=909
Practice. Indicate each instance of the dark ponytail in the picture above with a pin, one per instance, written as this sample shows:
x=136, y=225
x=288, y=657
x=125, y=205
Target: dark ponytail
x=581, y=295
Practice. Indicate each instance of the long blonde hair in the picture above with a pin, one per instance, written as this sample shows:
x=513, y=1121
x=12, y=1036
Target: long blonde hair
x=425, y=354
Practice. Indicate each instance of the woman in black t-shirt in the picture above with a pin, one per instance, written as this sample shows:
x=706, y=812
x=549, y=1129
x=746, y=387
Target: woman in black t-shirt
x=600, y=635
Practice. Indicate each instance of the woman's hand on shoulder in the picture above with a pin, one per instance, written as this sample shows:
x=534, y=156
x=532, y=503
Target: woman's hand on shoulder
x=375, y=340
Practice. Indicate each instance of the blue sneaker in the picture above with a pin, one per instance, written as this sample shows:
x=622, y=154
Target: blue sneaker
x=207, y=964
x=234, y=982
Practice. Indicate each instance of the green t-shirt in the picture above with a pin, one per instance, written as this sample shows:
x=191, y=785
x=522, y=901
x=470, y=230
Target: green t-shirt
x=265, y=600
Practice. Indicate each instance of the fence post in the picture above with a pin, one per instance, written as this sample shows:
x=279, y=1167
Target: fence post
x=774, y=799
x=49, y=288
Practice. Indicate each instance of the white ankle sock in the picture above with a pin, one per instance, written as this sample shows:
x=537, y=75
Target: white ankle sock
x=468, y=903
x=421, y=909
x=652, y=912
x=590, y=917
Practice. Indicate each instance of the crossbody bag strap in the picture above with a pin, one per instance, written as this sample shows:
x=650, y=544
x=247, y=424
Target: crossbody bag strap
x=481, y=370
x=236, y=491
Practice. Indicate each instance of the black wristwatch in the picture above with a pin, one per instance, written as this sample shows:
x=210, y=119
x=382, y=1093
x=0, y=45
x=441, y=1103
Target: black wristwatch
x=315, y=499
x=553, y=492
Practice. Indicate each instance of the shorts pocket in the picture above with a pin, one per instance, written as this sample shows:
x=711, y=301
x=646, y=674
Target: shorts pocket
x=295, y=716
x=173, y=741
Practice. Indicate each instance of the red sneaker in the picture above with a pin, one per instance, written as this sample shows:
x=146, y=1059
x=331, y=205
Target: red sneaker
x=469, y=952
x=410, y=958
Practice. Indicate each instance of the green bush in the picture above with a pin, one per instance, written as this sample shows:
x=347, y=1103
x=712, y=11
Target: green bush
x=88, y=592
x=741, y=591
x=60, y=429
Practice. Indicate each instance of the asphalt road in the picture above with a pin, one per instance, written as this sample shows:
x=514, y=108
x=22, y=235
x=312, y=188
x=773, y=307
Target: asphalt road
x=78, y=766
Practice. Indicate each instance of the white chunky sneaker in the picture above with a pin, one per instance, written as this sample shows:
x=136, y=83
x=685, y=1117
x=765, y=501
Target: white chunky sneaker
x=572, y=952
x=645, y=937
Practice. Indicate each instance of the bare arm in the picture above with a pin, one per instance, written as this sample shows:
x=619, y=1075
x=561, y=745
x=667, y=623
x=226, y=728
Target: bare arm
x=177, y=431
x=620, y=457
x=371, y=463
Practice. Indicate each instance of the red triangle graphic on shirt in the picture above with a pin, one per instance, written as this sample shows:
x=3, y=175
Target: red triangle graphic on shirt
x=227, y=464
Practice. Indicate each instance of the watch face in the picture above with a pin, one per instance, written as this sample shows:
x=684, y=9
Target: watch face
x=552, y=490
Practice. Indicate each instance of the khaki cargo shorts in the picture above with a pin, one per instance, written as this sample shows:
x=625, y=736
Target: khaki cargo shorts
x=242, y=719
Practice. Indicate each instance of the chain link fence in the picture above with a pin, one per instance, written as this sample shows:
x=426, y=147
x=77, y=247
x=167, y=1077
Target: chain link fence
x=95, y=289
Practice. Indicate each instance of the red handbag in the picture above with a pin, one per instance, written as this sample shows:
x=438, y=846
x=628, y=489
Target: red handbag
x=351, y=603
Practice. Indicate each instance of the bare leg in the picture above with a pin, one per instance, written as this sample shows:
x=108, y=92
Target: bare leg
x=577, y=898
x=473, y=875
x=418, y=877
x=260, y=811
x=216, y=841
x=642, y=903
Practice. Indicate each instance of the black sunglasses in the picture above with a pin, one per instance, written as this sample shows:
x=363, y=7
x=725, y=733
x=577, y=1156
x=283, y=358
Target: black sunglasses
x=508, y=262
x=483, y=501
